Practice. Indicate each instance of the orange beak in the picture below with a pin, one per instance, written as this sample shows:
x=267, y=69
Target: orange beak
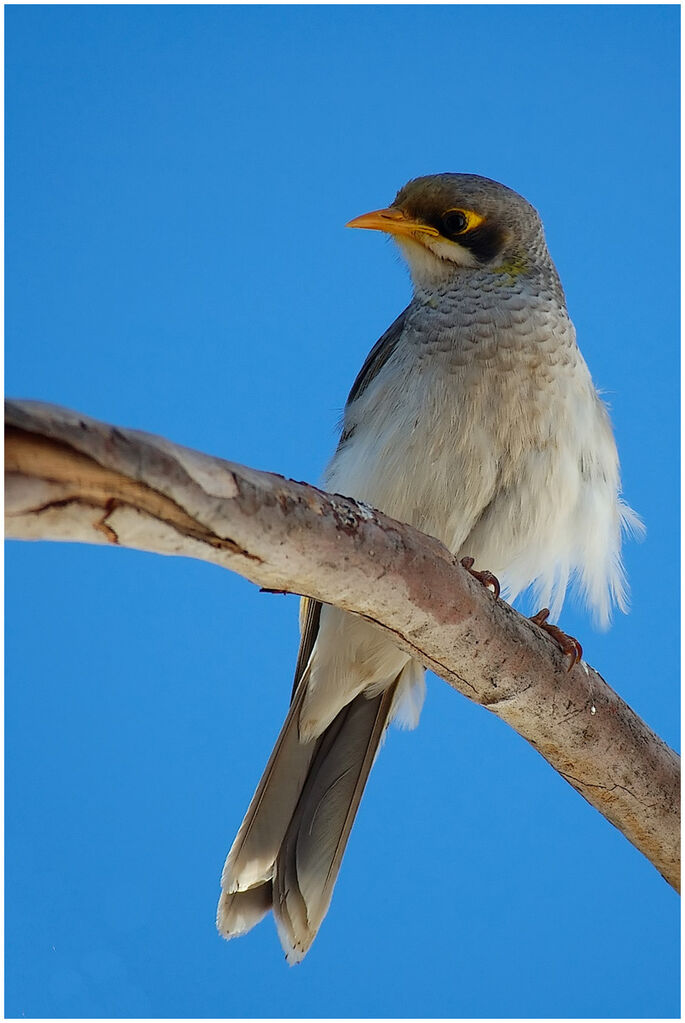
x=392, y=221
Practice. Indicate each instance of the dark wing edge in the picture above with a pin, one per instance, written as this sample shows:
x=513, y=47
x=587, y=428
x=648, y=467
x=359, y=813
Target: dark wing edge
x=377, y=357
x=310, y=615
x=310, y=610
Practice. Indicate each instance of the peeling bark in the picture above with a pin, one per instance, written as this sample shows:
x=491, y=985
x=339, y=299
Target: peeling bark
x=69, y=477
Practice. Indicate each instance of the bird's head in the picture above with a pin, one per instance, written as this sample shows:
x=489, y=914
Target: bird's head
x=444, y=223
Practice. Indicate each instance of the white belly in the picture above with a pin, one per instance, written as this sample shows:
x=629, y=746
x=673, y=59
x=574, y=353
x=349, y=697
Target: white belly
x=505, y=453
x=510, y=460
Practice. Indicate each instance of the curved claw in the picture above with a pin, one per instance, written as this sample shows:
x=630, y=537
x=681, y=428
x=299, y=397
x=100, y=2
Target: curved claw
x=569, y=646
x=490, y=581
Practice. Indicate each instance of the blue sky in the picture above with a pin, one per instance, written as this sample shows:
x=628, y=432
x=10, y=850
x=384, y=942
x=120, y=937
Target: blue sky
x=177, y=183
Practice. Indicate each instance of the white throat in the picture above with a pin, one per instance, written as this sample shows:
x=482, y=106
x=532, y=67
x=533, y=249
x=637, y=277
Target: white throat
x=433, y=261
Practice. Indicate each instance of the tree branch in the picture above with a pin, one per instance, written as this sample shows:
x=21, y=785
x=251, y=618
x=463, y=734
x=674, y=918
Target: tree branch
x=69, y=477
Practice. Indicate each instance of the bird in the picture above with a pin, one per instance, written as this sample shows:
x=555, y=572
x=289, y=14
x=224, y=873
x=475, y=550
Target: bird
x=475, y=419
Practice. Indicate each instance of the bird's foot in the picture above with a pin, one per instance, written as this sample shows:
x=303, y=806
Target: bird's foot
x=490, y=581
x=569, y=646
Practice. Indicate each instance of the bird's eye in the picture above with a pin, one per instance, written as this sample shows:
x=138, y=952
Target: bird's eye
x=454, y=222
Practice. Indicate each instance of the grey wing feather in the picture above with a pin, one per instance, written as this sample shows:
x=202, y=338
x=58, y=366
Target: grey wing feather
x=288, y=851
x=310, y=616
x=309, y=860
x=238, y=912
x=252, y=855
x=378, y=356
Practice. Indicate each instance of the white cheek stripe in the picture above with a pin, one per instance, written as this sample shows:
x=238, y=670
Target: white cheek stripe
x=451, y=251
x=432, y=260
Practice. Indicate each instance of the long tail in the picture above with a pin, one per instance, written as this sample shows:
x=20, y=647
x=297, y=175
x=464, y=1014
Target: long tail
x=289, y=848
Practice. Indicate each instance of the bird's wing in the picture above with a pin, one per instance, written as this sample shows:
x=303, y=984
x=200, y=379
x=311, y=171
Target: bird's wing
x=290, y=846
x=310, y=616
x=252, y=855
x=238, y=912
x=378, y=356
x=309, y=859
x=297, y=825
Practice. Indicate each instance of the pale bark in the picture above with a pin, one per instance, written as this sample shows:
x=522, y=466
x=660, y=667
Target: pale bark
x=69, y=477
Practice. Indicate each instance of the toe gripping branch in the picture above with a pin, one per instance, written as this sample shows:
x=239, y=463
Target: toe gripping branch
x=490, y=581
x=569, y=646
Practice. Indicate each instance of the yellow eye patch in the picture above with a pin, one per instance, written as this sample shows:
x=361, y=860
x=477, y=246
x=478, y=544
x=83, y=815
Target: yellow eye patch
x=458, y=221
